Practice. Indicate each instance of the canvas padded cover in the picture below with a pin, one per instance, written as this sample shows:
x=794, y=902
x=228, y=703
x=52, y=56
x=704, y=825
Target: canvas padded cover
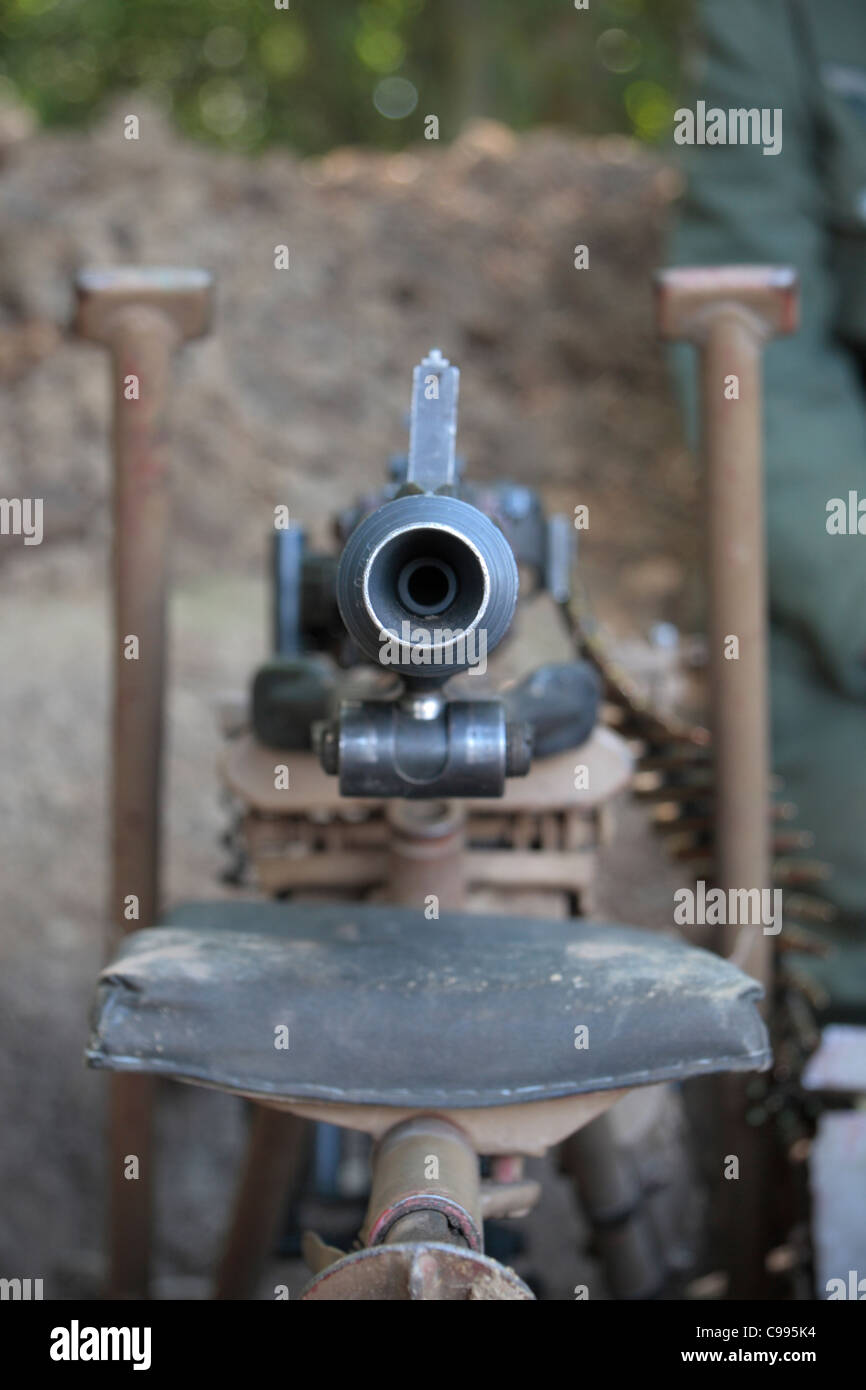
x=385, y=1007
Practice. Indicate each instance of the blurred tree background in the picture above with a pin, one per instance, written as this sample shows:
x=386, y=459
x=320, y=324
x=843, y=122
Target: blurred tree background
x=318, y=73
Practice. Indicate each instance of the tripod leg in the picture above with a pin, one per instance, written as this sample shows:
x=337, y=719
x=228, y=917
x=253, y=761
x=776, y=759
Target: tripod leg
x=276, y=1160
x=610, y=1192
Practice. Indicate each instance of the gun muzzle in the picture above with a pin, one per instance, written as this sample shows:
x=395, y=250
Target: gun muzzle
x=425, y=584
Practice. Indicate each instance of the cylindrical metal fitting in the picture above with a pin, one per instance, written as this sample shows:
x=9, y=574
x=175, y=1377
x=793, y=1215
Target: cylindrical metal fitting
x=426, y=853
x=425, y=1165
x=466, y=748
x=427, y=585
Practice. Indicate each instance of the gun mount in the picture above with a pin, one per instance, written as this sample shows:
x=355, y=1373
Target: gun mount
x=474, y=1020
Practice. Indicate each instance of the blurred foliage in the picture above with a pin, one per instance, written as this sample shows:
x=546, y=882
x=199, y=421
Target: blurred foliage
x=249, y=73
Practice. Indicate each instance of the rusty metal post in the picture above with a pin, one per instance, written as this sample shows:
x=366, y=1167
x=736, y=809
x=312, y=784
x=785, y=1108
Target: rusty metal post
x=141, y=315
x=728, y=313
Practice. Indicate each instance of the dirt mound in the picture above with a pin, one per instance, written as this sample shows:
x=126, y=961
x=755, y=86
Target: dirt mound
x=301, y=393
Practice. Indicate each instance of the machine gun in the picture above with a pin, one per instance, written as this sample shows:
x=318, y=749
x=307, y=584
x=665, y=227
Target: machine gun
x=426, y=588
x=428, y=585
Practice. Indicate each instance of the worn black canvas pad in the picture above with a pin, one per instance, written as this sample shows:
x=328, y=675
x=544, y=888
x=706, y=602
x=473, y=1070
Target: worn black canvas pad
x=385, y=1007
